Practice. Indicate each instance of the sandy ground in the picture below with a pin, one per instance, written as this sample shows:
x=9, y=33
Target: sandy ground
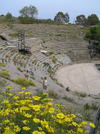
x=80, y=77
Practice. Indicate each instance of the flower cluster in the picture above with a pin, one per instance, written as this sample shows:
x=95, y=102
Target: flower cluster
x=24, y=113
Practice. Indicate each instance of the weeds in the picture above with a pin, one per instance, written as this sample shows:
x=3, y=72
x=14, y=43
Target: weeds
x=68, y=99
x=2, y=83
x=20, y=69
x=5, y=74
x=54, y=60
x=53, y=94
x=80, y=94
x=32, y=77
x=1, y=64
x=24, y=82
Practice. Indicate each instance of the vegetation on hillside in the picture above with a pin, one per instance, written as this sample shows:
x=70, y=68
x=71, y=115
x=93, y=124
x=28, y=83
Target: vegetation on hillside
x=26, y=114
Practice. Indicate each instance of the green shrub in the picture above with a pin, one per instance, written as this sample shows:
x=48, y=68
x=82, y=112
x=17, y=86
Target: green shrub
x=1, y=64
x=54, y=60
x=50, y=53
x=46, y=64
x=86, y=106
x=5, y=73
x=2, y=83
x=14, y=35
x=33, y=61
x=53, y=94
x=43, y=40
x=68, y=99
x=49, y=71
x=20, y=69
x=86, y=116
x=32, y=77
x=7, y=55
x=81, y=94
x=24, y=82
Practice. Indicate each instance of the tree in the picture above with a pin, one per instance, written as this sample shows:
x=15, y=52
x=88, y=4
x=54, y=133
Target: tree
x=66, y=19
x=60, y=17
x=92, y=19
x=30, y=11
x=8, y=16
x=80, y=20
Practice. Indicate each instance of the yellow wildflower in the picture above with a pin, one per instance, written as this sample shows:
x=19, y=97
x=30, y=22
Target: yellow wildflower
x=60, y=115
x=10, y=94
x=26, y=128
x=25, y=108
x=28, y=115
x=49, y=104
x=83, y=123
x=50, y=129
x=17, y=128
x=36, y=97
x=44, y=123
x=40, y=128
x=51, y=110
x=36, y=107
x=12, y=124
x=68, y=119
x=25, y=122
x=87, y=131
x=45, y=93
x=23, y=88
x=36, y=120
x=21, y=92
x=5, y=122
x=92, y=125
x=27, y=93
x=42, y=132
x=74, y=124
x=16, y=97
x=8, y=87
x=80, y=130
x=5, y=102
x=36, y=132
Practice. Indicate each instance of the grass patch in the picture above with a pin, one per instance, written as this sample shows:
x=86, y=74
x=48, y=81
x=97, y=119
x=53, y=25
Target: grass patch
x=80, y=94
x=86, y=106
x=14, y=35
x=87, y=116
x=2, y=83
x=24, y=82
x=32, y=77
x=1, y=64
x=54, y=60
x=20, y=69
x=49, y=71
x=50, y=53
x=68, y=99
x=5, y=73
x=53, y=94
x=46, y=64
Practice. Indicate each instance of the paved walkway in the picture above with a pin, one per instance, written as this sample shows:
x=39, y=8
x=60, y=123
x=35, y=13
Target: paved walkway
x=80, y=77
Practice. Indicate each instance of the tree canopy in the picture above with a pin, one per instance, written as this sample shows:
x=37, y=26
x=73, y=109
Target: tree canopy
x=61, y=17
x=8, y=16
x=93, y=33
x=92, y=19
x=30, y=11
x=80, y=20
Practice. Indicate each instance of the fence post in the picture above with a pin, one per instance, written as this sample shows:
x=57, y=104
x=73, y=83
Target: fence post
x=96, y=123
